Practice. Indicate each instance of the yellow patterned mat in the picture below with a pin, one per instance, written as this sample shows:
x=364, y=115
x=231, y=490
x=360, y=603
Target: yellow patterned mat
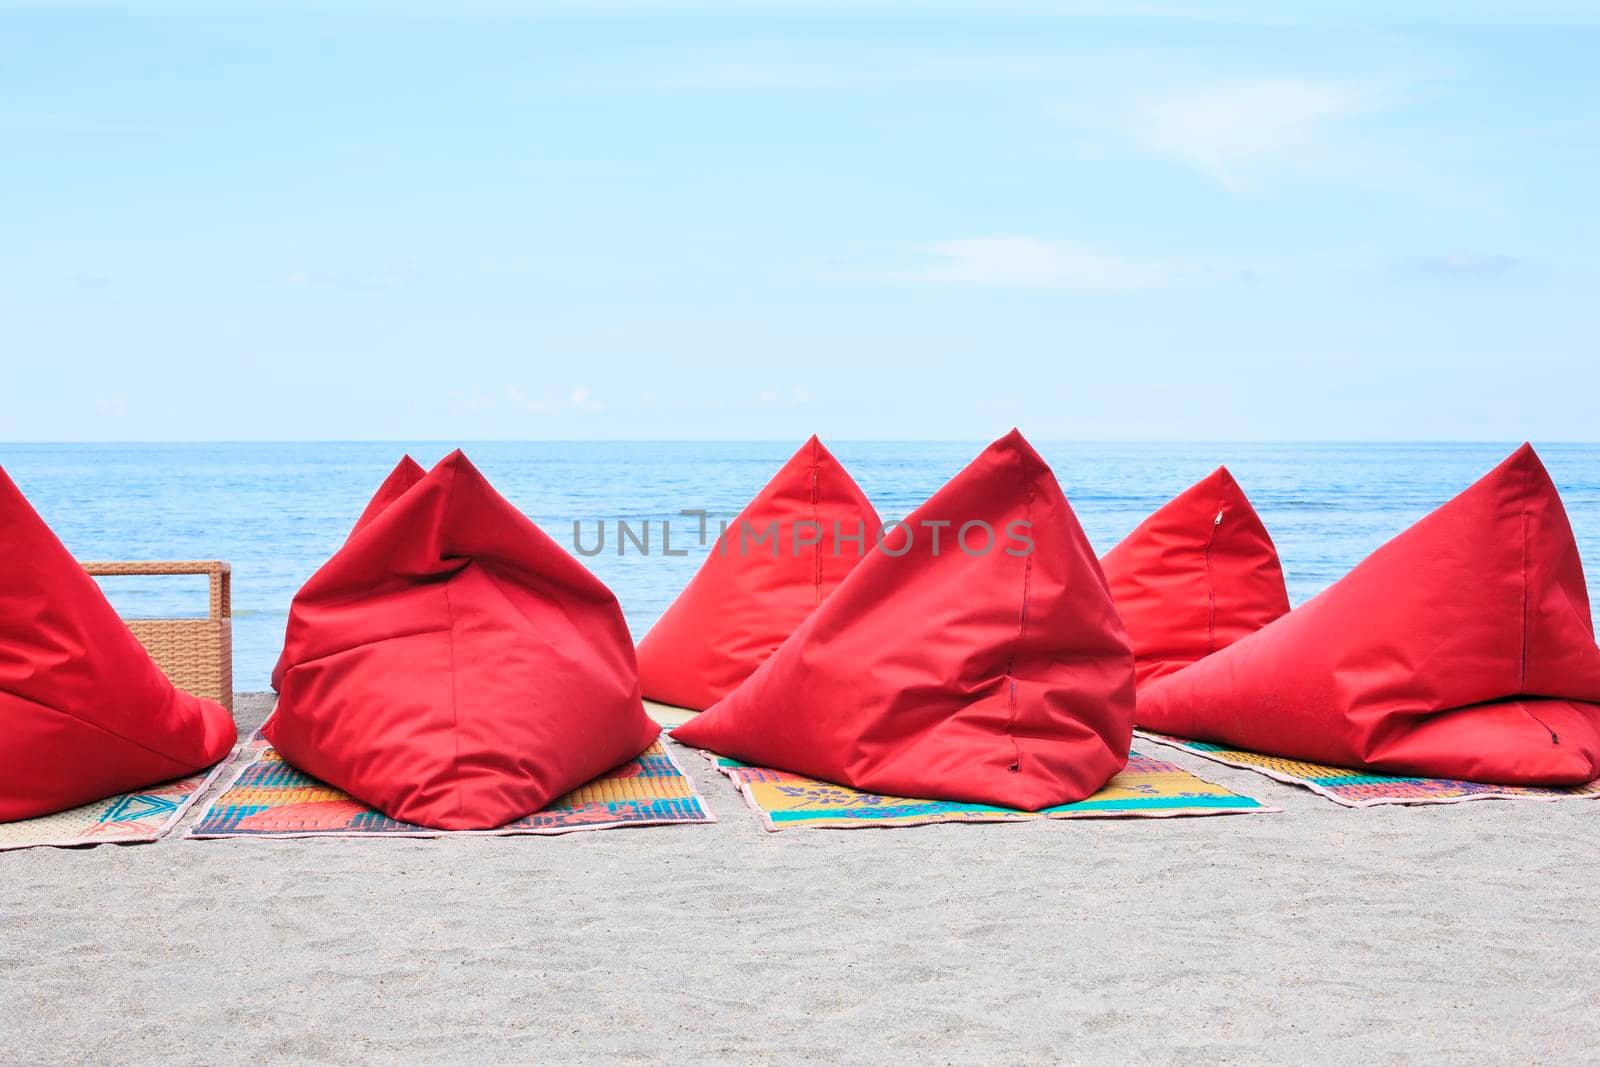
x=1363, y=789
x=270, y=798
x=1146, y=788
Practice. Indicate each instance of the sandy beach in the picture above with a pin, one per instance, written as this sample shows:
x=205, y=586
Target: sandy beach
x=1455, y=933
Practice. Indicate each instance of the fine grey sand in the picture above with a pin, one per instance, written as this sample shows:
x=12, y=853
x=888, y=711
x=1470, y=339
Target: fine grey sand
x=1462, y=933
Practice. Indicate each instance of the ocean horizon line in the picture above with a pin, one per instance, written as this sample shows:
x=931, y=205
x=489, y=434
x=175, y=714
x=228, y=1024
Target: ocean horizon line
x=1098, y=441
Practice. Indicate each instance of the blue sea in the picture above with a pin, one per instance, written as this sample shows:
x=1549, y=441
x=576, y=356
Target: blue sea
x=276, y=511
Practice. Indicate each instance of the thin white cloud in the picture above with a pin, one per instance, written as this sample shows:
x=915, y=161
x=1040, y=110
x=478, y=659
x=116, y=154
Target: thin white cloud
x=795, y=396
x=840, y=70
x=1242, y=126
x=1252, y=134
x=371, y=278
x=1034, y=262
x=1050, y=10
x=508, y=400
x=517, y=398
x=60, y=122
x=582, y=399
x=1039, y=262
x=1463, y=266
x=112, y=405
x=469, y=401
x=765, y=65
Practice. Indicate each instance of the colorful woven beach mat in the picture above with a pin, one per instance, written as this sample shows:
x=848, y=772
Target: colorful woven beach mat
x=269, y=798
x=1361, y=789
x=1146, y=788
x=128, y=818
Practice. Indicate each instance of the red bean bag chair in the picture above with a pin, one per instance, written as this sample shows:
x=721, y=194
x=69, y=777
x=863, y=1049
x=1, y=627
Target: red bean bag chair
x=747, y=597
x=406, y=473
x=1462, y=649
x=991, y=669
x=1195, y=576
x=84, y=712
x=453, y=667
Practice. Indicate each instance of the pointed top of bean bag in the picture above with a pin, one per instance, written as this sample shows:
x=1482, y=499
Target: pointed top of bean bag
x=84, y=712
x=783, y=554
x=1463, y=648
x=452, y=666
x=988, y=666
x=1197, y=575
x=406, y=473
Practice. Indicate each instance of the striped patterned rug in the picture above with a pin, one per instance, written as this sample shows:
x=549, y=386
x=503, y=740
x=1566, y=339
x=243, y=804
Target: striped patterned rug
x=1363, y=789
x=1146, y=788
x=269, y=798
x=128, y=818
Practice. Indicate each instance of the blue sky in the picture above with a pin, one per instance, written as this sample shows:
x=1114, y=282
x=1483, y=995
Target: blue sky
x=758, y=220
